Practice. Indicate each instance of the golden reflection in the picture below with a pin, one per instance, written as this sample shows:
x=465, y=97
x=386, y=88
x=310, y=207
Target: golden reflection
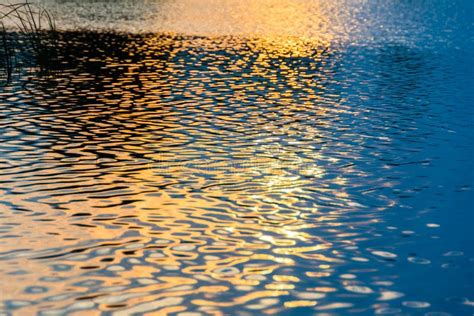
x=210, y=184
x=249, y=18
x=300, y=303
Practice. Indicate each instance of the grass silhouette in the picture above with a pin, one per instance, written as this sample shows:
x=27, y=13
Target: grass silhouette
x=29, y=41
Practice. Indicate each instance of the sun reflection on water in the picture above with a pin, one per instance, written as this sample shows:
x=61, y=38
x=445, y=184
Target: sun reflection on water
x=198, y=173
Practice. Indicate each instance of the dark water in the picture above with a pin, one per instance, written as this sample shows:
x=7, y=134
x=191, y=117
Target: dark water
x=243, y=175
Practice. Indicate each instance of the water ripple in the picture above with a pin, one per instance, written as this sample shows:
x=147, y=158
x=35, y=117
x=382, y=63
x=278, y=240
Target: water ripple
x=219, y=174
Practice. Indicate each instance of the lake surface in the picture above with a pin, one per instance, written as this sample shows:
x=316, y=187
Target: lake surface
x=242, y=158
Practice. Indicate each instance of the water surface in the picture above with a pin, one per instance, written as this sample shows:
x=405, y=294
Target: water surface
x=242, y=167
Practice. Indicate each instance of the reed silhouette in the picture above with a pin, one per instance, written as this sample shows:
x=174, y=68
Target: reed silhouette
x=29, y=38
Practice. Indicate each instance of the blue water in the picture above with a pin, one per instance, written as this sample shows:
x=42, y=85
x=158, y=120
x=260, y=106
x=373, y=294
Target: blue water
x=320, y=164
